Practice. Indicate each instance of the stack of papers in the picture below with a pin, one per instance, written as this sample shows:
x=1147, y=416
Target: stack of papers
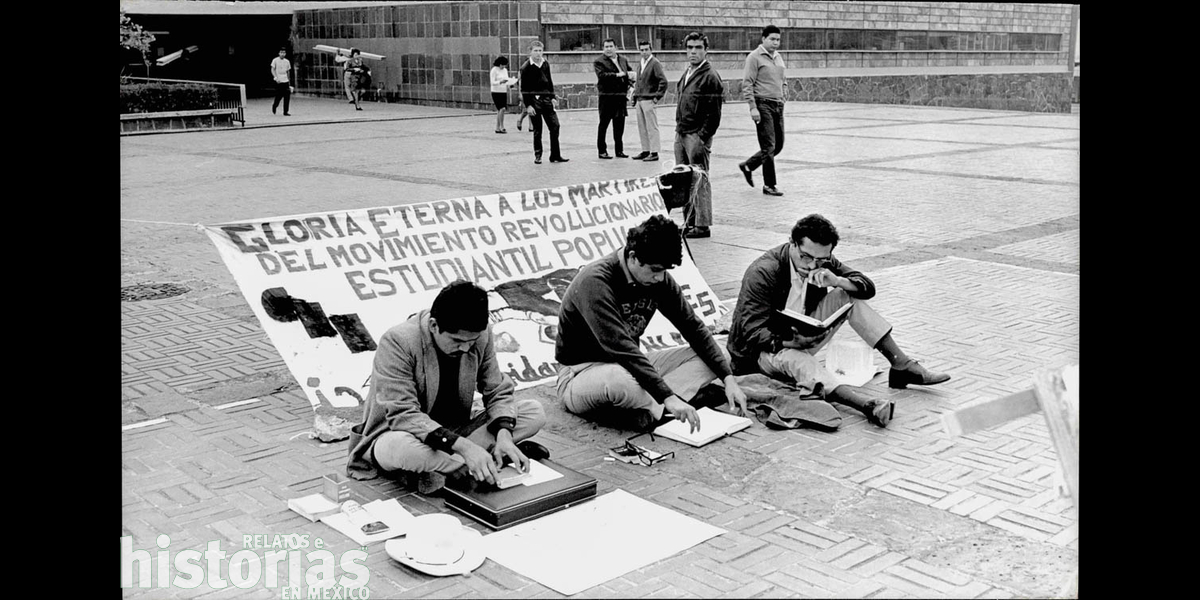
x=314, y=507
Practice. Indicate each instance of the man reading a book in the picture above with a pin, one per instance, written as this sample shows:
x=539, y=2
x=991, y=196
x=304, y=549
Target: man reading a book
x=419, y=417
x=604, y=374
x=803, y=275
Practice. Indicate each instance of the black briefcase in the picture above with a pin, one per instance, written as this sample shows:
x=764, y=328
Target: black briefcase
x=500, y=509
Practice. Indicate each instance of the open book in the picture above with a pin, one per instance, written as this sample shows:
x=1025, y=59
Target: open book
x=812, y=325
x=713, y=425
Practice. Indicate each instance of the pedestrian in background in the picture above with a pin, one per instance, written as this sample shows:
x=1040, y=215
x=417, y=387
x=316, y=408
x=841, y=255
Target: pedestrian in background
x=764, y=87
x=281, y=72
x=647, y=92
x=347, y=84
x=697, y=117
x=351, y=77
x=500, y=84
x=537, y=91
x=613, y=80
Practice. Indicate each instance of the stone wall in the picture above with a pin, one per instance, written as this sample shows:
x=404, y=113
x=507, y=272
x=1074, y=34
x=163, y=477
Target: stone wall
x=441, y=54
x=1033, y=92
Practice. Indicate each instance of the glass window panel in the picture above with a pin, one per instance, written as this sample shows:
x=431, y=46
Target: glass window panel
x=572, y=37
x=847, y=39
x=807, y=39
x=912, y=40
x=996, y=41
x=879, y=40
x=1021, y=41
x=941, y=40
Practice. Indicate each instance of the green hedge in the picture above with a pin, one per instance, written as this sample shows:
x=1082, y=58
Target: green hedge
x=166, y=97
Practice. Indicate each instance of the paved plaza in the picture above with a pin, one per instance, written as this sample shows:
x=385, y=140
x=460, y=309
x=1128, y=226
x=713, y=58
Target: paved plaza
x=967, y=220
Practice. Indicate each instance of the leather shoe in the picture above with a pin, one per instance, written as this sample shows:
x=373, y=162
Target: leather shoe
x=697, y=232
x=640, y=155
x=653, y=157
x=771, y=191
x=533, y=450
x=560, y=159
x=709, y=396
x=605, y=155
x=430, y=482
x=622, y=155
x=747, y=173
x=914, y=374
x=537, y=160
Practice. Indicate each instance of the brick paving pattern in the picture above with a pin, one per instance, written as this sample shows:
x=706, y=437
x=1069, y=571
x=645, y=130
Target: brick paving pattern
x=966, y=219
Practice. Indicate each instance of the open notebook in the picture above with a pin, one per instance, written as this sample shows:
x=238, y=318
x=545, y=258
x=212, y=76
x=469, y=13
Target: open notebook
x=713, y=425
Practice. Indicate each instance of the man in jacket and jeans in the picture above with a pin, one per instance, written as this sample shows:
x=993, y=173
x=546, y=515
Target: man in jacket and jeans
x=762, y=341
x=764, y=87
x=537, y=92
x=649, y=90
x=697, y=117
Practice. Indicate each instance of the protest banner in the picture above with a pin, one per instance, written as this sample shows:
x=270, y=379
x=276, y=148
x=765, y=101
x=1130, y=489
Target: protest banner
x=326, y=286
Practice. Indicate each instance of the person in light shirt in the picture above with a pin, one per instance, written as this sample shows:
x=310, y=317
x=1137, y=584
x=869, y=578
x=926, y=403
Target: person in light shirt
x=281, y=73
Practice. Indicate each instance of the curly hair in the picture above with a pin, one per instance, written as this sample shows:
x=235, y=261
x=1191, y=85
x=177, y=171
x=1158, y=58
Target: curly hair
x=657, y=241
x=460, y=306
x=500, y=60
x=817, y=229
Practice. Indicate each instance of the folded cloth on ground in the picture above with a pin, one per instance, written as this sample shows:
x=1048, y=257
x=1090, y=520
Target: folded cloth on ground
x=780, y=405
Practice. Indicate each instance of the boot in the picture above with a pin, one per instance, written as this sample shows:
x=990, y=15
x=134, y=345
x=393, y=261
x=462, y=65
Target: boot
x=878, y=411
x=915, y=374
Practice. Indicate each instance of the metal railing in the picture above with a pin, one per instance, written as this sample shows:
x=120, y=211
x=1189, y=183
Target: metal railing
x=229, y=95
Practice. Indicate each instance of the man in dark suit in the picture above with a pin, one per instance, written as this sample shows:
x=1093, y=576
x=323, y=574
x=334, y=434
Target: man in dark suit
x=648, y=91
x=612, y=82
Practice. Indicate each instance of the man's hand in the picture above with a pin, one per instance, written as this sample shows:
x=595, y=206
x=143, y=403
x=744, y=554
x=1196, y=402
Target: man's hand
x=529, y=109
x=554, y=101
x=802, y=342
x=683, y=412
x=824, y=277
x=506, y=447
x=754, y=114
x=479, y=462
x=736, y=397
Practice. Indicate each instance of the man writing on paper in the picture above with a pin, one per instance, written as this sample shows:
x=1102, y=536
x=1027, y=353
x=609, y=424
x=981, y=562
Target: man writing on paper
x=604, y=374
x=418, y=417
x=763, y=341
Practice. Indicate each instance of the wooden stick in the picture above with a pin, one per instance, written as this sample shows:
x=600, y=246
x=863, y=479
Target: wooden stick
x=985, y=414
x=346, y=51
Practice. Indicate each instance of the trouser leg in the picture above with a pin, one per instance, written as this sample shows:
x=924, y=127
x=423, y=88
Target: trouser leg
x=287, y=97
x=552, y=125
x=278, y=98
x=535, y=124
x=765, y=129
x=651, y=116
x=606, y=392
x=618, y=123
x=772, y=125
x=643, y=126
x=400, y=450
x=698, y=212
x=602, y=131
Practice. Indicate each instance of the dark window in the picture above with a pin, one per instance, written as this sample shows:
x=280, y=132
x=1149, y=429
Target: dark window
x=671, y=38
x=573, y=37
x=879, y=40
x=847, y=39
x=806, y=39
x=1021, y=41
x=912, y=40
x=941, y=40
x=625, y=36
x=995, y=41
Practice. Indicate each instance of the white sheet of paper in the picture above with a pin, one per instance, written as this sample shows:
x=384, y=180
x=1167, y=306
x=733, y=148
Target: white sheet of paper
x=856, y=377
x=588, y=544
x=539, y=473
x=389, y=511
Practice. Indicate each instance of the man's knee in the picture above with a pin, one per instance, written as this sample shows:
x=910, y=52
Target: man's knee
x=603, y=385
x=401, y=450
x=530, y=415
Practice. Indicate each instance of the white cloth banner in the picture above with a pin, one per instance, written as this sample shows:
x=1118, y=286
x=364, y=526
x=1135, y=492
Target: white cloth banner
x=326, y=286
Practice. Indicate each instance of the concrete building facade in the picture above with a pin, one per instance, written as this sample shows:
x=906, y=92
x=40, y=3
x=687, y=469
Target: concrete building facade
x=992, y=55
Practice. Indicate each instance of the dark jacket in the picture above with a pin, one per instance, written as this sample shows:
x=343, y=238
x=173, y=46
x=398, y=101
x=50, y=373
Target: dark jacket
x=607, y=82
x=538, y=82
x=404, y=386
x=604, y=314
x=651, y=81
x=756, y=326
x=700, y=100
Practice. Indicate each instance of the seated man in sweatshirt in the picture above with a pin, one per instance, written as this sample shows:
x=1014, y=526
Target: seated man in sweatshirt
x=763, y=341
x=604, y=374
x=418, y=417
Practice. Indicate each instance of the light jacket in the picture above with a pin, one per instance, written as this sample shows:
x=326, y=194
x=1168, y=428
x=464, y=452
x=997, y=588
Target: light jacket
x=404, y=385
